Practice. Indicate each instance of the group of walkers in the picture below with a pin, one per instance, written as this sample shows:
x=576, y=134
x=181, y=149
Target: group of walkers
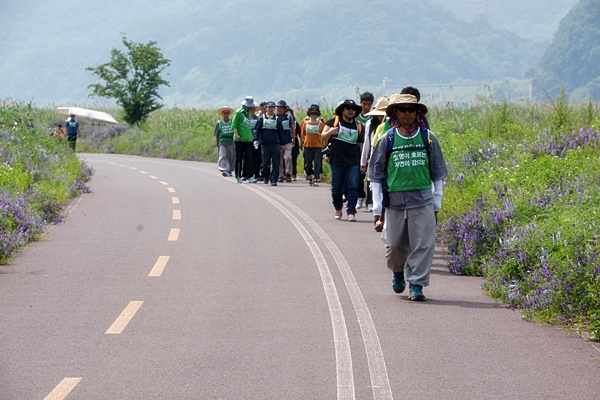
x=262, y=142
x=384, y=156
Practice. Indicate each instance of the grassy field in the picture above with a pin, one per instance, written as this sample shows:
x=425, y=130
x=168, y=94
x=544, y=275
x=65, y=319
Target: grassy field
x=521, y=203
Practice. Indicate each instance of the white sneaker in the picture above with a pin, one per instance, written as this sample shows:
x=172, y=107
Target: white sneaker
x=359, y=204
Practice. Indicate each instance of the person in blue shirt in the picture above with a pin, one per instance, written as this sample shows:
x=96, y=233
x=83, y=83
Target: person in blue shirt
x=72, y=131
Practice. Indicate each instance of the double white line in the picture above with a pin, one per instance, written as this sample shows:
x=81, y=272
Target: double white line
x=345, y=376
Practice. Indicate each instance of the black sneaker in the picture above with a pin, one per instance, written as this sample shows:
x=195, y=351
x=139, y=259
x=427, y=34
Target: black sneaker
x=398, y=283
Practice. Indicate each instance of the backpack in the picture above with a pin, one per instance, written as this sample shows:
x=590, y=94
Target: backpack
x=358, y=124
x=425, y=134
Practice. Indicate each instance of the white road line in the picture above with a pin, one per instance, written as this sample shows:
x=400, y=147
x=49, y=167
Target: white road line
x=159, y=266
x=175, y=200
x=143, y=172
x=123, y=320
x=377, y=368
x=153, y=177
x=164, y=183
x=171, y=190
x=63, y=389
x=343, y=355
x=176, y=214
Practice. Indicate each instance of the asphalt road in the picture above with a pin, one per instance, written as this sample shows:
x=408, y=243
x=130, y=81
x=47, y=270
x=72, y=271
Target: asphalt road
x=169, y=281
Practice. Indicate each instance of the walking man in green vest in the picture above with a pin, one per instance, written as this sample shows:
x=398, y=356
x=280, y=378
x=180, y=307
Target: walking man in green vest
x=408, y=158
x=224, y=137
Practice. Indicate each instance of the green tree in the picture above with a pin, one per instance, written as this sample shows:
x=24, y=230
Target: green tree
x=132, y=78
x=573, y=58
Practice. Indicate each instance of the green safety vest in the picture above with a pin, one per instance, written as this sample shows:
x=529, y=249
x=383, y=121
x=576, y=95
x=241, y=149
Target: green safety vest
x=408, y=164
x=226, y=132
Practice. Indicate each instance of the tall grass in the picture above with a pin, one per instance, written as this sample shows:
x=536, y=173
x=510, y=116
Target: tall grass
x=522, y=205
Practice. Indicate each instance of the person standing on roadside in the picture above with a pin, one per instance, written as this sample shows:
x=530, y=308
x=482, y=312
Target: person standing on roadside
x=72, y=131
x=58, y=132
x=408, y=158
x=366, y=103
x=310, y=133
x=242, y=129
x=224, y=137
x=297, y=144
x=269, y=134
x=346, y=135
x=289, y=133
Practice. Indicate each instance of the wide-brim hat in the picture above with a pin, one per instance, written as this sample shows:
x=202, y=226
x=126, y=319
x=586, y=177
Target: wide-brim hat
x=249, y=102
x=347, y=103
x=404, y=100
x=225, y=108
x=380, y=107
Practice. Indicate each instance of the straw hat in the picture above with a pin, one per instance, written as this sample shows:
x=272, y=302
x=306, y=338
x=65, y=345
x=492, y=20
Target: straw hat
x=380, y=107
x=403, y=100
x=225, y=108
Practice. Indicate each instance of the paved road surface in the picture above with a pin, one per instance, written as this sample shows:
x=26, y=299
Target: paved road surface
x=169, y=281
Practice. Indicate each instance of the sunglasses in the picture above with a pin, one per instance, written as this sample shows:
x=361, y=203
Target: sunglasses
x=349, y=108
x=409, y=110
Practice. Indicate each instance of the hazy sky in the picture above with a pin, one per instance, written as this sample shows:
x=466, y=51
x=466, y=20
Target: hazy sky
x=47, y=44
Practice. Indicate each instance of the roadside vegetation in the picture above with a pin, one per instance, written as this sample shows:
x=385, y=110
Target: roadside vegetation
x=38, y=176
x=521, y=203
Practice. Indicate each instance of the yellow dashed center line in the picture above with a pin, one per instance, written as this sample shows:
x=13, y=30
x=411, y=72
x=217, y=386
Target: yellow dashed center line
x=175, y=200
x=176, y=214
x=159, y=266
x=163, y=183
x=122, y=320
x=153, y=177
x=171, y=190
x=63, y=389
x=173, y=235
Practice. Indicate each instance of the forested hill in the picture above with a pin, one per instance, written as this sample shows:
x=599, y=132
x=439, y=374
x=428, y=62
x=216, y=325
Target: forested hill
x=225, y=50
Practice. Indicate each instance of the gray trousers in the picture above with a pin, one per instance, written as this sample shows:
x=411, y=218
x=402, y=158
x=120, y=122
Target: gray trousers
x=226, y=161
x=409, y=237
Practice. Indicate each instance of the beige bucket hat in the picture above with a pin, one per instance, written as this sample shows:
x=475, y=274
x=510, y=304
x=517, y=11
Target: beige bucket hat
x=404, y=100
x=380, y=106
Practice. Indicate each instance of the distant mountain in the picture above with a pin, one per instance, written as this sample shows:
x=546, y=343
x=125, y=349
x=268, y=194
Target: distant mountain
x=223, y=51
x=572, y=60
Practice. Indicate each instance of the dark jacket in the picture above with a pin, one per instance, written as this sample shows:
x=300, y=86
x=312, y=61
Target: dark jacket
x=268, y=135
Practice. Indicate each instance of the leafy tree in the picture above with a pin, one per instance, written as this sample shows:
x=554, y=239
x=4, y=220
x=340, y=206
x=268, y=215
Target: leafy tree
x=133, y=79
x=573, y=57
